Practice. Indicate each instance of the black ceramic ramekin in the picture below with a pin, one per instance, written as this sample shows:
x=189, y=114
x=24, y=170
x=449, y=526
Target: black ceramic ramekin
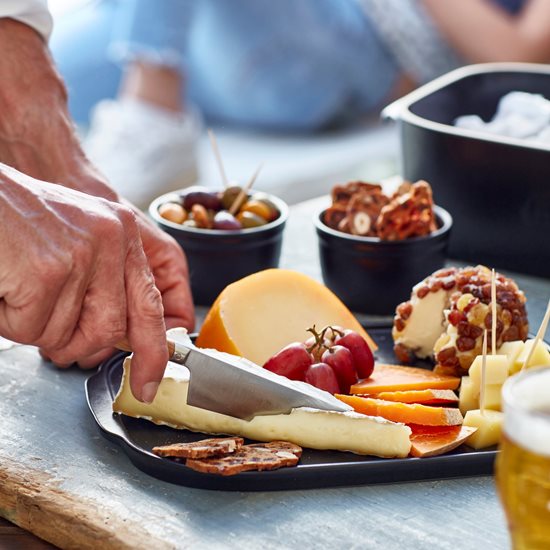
x=218, y=258
x=373, y=276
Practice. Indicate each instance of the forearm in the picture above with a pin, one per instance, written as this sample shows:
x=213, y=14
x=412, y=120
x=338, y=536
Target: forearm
x=482, y=32
x=36, y=134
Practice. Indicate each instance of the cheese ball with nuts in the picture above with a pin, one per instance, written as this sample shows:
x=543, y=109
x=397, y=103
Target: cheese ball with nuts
x=448, y=312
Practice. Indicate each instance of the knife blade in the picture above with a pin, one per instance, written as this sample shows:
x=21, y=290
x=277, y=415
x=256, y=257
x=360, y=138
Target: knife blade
x=231, y=385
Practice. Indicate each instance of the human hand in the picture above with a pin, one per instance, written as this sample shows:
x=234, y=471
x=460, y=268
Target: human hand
x=74, y=279
x=168, y=265
x=37, y=138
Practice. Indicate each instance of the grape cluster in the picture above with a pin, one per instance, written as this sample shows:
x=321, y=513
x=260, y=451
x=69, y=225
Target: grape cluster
x=332, y=359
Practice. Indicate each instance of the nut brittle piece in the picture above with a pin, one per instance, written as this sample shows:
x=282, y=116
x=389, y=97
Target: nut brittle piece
x=409, y=214
x=355, y=207
x=213, y=447
x=344, y=193
x=364, y=209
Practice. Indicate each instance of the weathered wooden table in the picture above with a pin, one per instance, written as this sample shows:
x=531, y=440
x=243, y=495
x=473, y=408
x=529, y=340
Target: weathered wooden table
x=64, y=482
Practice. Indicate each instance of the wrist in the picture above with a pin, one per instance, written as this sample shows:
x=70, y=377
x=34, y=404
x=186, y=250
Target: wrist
x=37, y=136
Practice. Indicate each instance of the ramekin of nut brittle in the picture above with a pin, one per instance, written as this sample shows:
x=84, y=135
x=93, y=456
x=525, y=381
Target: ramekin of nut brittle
x=374, y=246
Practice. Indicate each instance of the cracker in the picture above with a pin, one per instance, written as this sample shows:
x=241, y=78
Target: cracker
x=205, y=448
x=279, y=446
x=248, y=457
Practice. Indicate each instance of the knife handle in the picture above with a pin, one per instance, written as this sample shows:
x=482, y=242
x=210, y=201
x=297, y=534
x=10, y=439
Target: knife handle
x=124, y=345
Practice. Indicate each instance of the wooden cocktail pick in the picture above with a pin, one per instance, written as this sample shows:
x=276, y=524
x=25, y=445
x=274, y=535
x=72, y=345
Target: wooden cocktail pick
x=483, y=375
x=245, y=190
x=493, y=313
x=217, y=155
x=540, y=335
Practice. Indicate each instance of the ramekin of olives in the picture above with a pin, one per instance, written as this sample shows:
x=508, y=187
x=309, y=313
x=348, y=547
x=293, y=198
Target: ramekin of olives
x=226, y=234
x=227, y=210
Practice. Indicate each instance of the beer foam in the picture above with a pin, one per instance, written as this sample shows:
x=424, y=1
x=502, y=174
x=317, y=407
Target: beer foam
x=526, y=401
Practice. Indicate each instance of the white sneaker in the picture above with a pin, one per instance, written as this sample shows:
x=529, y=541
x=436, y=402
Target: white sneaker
x=143, y=151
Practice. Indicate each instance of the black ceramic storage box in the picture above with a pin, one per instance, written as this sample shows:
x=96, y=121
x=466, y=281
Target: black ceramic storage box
x=497, y=189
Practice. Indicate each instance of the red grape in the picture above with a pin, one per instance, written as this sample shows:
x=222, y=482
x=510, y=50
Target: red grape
x=322, y=376
x=292, y=361
x=341, y=361
x=362, y=354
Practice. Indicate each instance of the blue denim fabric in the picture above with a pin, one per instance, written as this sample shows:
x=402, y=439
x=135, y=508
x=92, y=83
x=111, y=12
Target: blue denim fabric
x=157, y=30
x=280, y=64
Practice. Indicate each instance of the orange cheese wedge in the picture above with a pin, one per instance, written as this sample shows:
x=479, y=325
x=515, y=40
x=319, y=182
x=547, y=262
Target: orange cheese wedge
x=424, y=397
x=396, y=378
x=437, y=440
x=260, y=314
x=404, y=412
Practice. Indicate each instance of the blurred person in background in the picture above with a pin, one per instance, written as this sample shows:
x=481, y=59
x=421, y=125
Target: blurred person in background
x=285, y=65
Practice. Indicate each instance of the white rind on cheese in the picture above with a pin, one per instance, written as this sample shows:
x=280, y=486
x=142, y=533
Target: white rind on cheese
x=425, y=324
x=312, y=428
x=349, y=431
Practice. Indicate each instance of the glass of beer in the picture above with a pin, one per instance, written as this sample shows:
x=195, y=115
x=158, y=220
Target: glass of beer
x=523, y=464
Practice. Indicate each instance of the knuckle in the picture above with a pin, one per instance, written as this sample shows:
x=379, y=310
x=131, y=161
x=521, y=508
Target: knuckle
x=56, y=341
x=53, y=269
x=112, y=228
x=63, y=357
x=25, y=328
x=150, y=301
x=126, y=215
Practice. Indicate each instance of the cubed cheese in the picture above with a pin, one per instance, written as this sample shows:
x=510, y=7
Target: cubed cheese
x=511, y=350
x=493, y=397
x=468, y=396
x=489, y=428
x=496, y=370
x=540, y=357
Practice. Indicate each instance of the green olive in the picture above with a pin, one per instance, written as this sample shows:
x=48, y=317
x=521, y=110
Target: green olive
x=230, y=195
x=249, y=219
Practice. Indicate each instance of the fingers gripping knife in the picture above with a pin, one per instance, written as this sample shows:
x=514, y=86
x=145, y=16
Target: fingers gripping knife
x=234, y=386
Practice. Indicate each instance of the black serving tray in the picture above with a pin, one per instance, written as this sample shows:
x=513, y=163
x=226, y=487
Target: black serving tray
x=316, y=468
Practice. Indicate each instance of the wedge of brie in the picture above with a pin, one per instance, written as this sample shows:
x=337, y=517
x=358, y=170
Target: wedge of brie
x=315, y=429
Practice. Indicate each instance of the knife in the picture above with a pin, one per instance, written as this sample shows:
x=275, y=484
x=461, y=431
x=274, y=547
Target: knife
x=231, y=385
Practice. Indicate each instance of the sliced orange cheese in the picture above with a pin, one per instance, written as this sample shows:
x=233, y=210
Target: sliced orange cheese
x=404, y=412
x=424, y=397
x=437, y=440
x=396, y=378
x=260, y=314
